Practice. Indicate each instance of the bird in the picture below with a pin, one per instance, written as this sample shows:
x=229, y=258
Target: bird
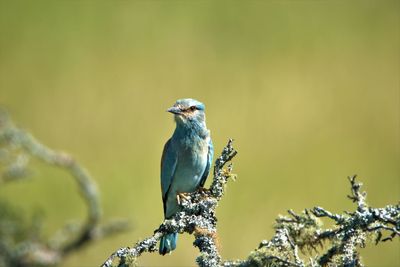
x=186, y=160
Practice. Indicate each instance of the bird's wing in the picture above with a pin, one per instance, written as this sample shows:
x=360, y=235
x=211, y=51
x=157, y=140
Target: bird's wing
x=209, y=163
x=169, y=160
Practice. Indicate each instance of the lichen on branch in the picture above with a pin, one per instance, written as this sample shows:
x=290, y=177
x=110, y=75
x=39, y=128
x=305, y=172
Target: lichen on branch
x=304, y=232
x=196, y=216
x=299, y=240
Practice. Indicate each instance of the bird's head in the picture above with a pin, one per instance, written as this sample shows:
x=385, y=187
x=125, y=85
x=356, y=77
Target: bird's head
x=188, y=111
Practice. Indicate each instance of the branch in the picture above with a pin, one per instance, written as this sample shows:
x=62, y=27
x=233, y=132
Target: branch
x=295, y=232
x=356, y=195
x=197, y=217
x=304, y=231
x=18, y=138
x=17, y=146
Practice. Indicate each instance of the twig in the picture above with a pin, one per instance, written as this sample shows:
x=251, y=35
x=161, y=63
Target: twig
x=305, y=231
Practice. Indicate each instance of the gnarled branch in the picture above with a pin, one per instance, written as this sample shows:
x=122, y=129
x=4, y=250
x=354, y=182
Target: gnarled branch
x=16, y=147
x=295, y=235
x=196, y=216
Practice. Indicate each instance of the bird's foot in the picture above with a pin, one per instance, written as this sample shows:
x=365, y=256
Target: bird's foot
x=203, y=190
x=182, y=196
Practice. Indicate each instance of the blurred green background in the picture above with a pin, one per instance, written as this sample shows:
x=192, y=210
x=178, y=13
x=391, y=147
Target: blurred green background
x=308, y=89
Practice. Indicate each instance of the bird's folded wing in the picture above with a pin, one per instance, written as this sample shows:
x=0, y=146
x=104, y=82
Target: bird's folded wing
x=169, y=160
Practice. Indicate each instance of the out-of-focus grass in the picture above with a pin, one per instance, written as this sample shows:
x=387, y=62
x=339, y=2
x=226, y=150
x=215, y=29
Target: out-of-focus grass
x=309, y=90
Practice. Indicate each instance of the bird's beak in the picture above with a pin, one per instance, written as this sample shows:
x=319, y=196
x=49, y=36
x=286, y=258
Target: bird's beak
x=174, y=110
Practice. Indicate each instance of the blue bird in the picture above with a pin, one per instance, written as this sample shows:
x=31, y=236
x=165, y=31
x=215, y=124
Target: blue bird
x=186, y=160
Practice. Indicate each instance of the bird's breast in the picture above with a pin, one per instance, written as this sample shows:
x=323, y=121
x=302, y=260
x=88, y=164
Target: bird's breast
x=194, y=155
x=192, y=158
x=192, y=161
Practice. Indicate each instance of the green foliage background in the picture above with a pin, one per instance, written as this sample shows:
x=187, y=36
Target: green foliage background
x=309, y=90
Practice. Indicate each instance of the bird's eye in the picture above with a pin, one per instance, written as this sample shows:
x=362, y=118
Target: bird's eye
x=193, y=108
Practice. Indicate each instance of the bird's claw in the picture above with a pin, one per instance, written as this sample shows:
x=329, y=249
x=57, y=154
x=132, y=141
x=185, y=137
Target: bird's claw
x=203, y=190
x=182, y=196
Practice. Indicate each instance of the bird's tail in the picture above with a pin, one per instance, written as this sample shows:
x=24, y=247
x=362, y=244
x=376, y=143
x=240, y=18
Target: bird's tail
x=168, y=243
